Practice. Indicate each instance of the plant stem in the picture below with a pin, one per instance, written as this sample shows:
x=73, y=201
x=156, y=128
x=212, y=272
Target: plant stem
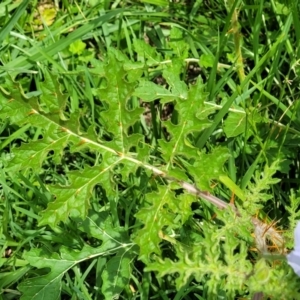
x=237, y=39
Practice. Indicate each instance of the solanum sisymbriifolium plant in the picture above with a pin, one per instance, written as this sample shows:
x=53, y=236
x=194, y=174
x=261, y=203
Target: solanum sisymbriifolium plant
x=109, y=170
x=112, y=197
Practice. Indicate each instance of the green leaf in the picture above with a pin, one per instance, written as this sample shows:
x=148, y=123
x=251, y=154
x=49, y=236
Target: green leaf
x=188, y=104
x=179, y=88
x=235, y=124
x=207, y=60
x=264, y=276
x=156, y=2
x=178, y=44
x=52, y=99
x=56, y=138
x=146, y=53
x=77, y=47
x=47, y=14
x=236, y=190
x=100, y=226
x=149, y=91
x=159, y=218
x=73, y=199
x=208, y=167
x=118, y=118
x=48, y=286
x=10, y=278
x=116, y=275
x=205, y=260
x=258, y=191
x=14, y=104
x=282, y=8
x=154, y=218
x=134, y=69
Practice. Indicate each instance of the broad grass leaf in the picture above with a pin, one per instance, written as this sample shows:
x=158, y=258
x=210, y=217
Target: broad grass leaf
x=12, y=276
x=156, y=2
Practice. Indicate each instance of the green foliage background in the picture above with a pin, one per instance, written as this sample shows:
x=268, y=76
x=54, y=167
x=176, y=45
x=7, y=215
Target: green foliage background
x=112, y=112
